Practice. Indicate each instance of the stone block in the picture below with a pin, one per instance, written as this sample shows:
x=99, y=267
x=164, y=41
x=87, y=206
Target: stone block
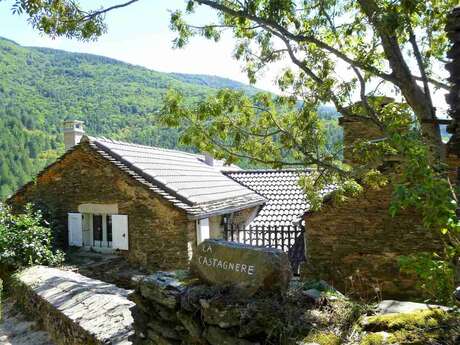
x=191, y=300
x=166, y=330
x=157, y=339
x=218, y=336
x=164, y=288
x=247, y=268
x=222, y=315
x=74, y=309
x=191, y=324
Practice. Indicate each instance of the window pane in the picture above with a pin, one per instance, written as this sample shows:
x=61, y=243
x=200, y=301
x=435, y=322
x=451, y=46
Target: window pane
x=109, y=228
x=97, y=227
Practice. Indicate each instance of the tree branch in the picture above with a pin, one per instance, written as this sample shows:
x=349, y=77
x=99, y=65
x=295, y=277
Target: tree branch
x=406, y=82
x=367, y=108
x=298, y=38
x=435, y=82
x=421, y=67
x=94, y=14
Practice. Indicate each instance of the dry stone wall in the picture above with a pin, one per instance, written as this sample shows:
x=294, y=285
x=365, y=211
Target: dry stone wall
x=73, y=309
x=173, y=308
x=226, y=298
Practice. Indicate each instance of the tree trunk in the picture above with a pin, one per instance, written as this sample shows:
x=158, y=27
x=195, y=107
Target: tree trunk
x=411, y=91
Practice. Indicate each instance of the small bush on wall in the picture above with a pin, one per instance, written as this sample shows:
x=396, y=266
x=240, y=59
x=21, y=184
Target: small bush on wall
x=25, y=240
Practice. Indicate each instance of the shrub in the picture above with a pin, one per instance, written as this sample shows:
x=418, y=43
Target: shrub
x=435, y=275
x=25, y=240
x=1, y=296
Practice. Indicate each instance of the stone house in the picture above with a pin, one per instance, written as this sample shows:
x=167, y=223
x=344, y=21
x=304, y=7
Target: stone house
x=356, y=245
x=152, y=205
x=279, y=223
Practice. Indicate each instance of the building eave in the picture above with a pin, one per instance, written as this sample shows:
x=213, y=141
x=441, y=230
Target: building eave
x=227, y=210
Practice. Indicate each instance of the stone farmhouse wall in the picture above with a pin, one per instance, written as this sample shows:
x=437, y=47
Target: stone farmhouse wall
x=355, y=245
x=160, y=235
x=241, y=218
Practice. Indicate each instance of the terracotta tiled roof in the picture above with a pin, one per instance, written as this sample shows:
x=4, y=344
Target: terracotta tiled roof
x=180, y=177
x=286, y=203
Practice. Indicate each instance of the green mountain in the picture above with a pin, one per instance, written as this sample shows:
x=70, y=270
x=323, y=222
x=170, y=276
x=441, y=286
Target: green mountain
x=41, y=87
x=214, y=82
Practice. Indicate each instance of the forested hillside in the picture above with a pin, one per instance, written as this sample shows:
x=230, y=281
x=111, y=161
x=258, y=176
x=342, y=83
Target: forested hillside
x=39, y=88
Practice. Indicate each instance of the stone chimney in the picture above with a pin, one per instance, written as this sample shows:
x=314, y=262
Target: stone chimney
x=73, y=132
x=208, y=159
x=358, y=128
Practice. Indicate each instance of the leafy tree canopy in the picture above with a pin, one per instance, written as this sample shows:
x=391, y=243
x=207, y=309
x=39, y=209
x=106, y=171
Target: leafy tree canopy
x=340, y=52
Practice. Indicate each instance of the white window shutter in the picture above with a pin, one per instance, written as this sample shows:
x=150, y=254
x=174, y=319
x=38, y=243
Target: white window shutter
x=120, y=232
x=202, y=230
x=75, y=229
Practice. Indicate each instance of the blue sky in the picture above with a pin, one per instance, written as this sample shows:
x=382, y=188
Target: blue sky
x=140, y=34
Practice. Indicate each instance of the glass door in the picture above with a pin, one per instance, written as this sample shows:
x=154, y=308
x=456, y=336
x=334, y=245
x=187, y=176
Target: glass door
x=109, y=230
x=97, y=230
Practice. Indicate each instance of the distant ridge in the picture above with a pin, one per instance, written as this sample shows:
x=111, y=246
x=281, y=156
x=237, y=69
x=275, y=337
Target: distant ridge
x=214, y=82
x=40, y=87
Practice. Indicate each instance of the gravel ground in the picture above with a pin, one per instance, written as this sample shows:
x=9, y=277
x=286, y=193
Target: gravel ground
x=15, y=329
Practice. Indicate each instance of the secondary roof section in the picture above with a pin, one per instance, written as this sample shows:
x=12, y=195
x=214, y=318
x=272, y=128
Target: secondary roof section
x=286, y=203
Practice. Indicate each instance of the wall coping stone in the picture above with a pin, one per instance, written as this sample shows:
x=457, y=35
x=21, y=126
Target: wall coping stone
x=101, y=310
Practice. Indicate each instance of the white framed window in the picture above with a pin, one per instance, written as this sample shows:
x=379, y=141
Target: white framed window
x=96, y=227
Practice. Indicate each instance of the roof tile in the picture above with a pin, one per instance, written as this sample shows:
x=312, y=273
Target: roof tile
x=286, y=200
x=181, y=177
